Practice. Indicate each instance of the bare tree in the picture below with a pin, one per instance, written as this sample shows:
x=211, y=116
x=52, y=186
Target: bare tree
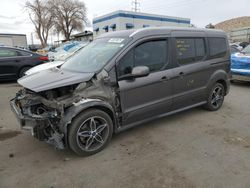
x=68, y=15
x=41, y=18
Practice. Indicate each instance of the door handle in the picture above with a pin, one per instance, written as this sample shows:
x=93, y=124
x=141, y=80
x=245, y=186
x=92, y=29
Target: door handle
x=164, y=78
x=181, y=73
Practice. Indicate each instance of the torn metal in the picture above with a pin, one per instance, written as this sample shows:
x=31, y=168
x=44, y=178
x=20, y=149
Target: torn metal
x=48, y=113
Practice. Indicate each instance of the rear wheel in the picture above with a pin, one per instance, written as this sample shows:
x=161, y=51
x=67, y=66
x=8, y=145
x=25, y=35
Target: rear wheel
x=216, y=97
x=22, y=71
x=90, y=132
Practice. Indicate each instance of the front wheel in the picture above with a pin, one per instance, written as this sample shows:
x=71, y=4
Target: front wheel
x=216, y=97
x=90, y=132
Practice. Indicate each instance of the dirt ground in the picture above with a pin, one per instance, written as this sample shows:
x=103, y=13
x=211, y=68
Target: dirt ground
x=195, y=148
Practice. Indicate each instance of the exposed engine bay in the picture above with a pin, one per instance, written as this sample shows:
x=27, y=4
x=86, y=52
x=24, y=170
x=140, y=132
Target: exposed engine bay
x=48, y=113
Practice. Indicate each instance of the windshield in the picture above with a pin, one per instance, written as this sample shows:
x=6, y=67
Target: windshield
x=95, y=55
x=246, y=50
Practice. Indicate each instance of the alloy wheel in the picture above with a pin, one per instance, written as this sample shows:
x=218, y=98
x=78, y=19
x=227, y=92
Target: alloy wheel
x=217, y=96
x=92, y=133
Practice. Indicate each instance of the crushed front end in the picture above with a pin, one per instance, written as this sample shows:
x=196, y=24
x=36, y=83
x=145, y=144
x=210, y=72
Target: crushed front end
x=39, y=115
x=49, y=111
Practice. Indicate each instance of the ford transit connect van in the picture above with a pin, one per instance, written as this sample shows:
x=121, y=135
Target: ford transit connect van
x=123, y=79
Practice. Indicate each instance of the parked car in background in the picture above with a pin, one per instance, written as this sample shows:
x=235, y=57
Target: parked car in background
x=244, y=44
x=14, y=62
x=46, y=50
x=34, y=47
x=240, y=65
x=123, y=79
x=236, y=45
x=64, y=49
x=234, y=50
x=67, y=52
x=42, y=67
x=60, y=58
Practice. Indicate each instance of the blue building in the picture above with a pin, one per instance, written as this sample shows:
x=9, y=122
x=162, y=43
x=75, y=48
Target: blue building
x=122, y=20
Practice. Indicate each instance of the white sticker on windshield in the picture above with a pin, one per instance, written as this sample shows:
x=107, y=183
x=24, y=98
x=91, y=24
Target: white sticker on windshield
x=116, y=40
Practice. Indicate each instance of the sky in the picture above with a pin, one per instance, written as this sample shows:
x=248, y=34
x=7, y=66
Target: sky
x=14, y=18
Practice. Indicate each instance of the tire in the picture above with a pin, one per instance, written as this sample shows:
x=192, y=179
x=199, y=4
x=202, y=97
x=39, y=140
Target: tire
x=22, y=71
x=90, y=132
x=215, y=98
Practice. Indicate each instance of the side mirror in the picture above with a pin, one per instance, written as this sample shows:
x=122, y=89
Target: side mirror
x=137, y=72
x=140, y=71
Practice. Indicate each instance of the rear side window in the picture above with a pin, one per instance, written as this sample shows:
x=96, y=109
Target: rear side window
x=7, y=53
x=152, y=54
x=200, y=49
x=190, y=50
x=217, y=47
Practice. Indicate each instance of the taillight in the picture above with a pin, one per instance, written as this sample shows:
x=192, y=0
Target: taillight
x=44, y=58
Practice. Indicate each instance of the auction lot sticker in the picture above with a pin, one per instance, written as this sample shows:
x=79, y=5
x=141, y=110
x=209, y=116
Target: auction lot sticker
x=116, y=40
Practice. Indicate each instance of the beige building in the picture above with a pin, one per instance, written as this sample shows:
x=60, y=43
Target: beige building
x=240, y=34
x=13, y=40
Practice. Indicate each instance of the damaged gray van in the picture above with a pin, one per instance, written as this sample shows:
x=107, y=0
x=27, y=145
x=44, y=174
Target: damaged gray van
x=123, y=79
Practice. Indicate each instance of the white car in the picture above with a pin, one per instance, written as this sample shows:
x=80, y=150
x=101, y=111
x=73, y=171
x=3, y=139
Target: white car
x=59, y=58
x=44, y=66
x=65, y=50
x=62, y=55
x=236, y=45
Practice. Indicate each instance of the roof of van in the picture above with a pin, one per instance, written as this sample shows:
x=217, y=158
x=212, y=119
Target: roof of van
x=159, y=31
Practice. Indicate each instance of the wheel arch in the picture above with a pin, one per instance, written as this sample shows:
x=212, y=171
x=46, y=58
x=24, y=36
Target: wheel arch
x=220, y=76
x=81, y=106
x=223, y=82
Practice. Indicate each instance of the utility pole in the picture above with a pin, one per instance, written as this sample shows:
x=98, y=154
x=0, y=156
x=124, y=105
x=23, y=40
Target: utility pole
x=136, y=5
x=51, y=39
x=32, y=41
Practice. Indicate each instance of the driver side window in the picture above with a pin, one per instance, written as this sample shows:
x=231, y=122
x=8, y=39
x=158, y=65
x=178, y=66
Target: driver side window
x=152, y=54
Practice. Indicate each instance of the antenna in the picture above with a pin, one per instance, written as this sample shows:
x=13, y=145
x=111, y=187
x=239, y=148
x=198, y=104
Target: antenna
x=135, y=5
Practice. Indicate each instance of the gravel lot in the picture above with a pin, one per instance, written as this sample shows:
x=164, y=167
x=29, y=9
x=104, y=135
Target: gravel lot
x=195, y=148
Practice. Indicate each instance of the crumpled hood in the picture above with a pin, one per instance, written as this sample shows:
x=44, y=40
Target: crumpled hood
x=53, y=78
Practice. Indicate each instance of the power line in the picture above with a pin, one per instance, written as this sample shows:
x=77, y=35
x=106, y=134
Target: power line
x=135, y=5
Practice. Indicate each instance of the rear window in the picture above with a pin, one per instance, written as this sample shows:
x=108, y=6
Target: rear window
x=23, y=53
x=217, y=47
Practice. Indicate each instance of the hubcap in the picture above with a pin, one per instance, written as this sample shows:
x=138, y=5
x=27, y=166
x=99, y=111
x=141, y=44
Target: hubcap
x=217, y=96
x=92, y=133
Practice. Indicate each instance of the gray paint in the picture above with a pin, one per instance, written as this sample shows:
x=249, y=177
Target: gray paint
x=53, y=78
x=133, y=101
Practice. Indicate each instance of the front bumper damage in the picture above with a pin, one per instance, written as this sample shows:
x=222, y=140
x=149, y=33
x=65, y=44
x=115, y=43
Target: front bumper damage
x=40, y=116
x=49, y=113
